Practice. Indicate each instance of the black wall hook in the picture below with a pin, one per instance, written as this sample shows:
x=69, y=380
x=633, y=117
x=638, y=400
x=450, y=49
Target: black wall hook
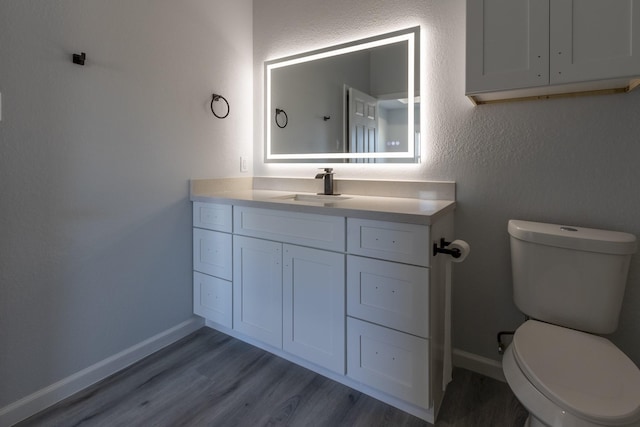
x=455, y=252
x=79, y=58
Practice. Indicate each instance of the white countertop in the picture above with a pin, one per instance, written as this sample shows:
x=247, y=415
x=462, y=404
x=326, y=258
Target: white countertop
x=398, y=209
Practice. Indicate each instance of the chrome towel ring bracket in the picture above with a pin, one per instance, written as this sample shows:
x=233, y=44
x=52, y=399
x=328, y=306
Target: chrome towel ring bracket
x=215, y=98
x=286, y=118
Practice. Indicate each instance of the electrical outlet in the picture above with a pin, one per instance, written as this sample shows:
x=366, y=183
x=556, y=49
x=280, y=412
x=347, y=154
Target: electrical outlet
x=244, y=167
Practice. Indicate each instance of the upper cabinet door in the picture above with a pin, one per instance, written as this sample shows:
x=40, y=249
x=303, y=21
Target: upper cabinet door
x=594, y=39
x=507, y=44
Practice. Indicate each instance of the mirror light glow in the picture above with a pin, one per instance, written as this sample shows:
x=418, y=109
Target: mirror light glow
x=408, y=37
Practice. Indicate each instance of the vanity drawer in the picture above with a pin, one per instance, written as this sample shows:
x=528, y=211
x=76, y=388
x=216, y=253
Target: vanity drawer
x=408, y=243
x=212, y=216
x=212, y=298
x=212, y=253
x=389, y=294
x=388, y=360
x=318, y=231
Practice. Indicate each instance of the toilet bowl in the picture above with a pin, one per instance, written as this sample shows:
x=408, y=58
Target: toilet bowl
x=571, y=379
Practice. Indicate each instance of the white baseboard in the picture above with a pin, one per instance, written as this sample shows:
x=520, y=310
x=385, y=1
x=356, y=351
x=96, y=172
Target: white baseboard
x=482, y=365
x=54, y=393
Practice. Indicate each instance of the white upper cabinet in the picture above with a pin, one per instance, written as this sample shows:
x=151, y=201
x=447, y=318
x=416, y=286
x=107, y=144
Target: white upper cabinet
x=507, y=44
x=542, y=48
x=594, y=39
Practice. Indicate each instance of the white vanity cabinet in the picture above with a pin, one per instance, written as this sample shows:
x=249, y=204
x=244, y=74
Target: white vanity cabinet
x=288, y=295
x=212, y=288
x=357, y=300
x=291, y=297
x=388, y=307
x=518, y=44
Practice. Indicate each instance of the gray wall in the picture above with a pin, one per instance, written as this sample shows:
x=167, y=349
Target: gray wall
x=95, y=246
x=571, y=161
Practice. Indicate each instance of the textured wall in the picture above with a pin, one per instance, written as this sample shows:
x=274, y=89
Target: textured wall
x=572, y=161
x=95, y=246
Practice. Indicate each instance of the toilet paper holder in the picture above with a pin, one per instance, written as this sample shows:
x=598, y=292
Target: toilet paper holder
x=442, y=249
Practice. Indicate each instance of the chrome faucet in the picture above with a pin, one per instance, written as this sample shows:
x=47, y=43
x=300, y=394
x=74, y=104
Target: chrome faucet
x=327, y=175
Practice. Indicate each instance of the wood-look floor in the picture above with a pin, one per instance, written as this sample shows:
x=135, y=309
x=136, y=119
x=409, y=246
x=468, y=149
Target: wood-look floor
x=211, y=379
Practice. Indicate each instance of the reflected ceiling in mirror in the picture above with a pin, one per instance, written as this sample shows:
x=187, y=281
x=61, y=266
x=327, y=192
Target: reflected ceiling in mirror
x=353, y=103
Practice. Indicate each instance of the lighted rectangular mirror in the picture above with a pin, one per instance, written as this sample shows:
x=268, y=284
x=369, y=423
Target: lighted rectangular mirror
x=353, y=103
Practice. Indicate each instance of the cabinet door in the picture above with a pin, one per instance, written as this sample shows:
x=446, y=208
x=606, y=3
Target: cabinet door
x=388, y=360
x=507, y=44
x=212, y=253
x=257, y=289
x=594, y=39
x=314, y=306
x=212, y=298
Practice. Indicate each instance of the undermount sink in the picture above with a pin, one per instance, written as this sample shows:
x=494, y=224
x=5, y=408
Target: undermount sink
x=319, y=198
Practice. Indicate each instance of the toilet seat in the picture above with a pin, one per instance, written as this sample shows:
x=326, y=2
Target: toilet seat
x=583, y=374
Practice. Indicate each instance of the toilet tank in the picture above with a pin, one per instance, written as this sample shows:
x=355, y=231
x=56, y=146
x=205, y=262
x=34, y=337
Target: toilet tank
x=570, y=276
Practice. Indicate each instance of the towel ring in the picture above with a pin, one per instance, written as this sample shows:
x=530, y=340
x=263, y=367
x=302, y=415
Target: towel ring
x=215, y=98
x=286, y=118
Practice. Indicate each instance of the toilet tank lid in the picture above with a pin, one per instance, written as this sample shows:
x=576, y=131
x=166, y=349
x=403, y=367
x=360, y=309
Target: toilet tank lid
x=578, y=238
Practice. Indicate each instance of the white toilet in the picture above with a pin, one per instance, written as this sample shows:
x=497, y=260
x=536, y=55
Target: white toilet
x=571, y=281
